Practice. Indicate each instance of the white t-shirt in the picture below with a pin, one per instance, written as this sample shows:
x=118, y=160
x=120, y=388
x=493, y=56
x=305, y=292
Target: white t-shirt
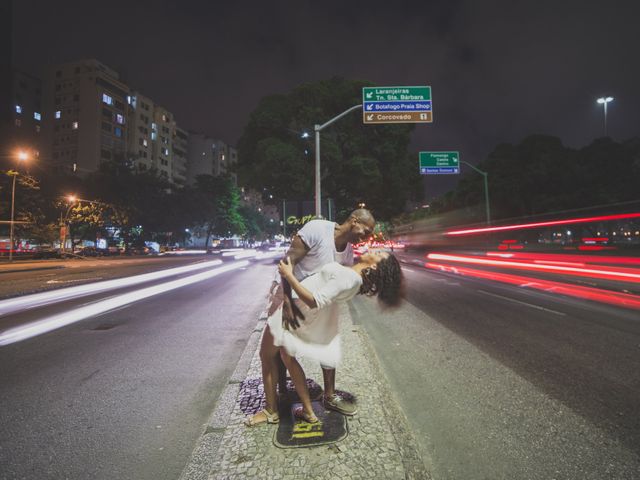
x=318, y=235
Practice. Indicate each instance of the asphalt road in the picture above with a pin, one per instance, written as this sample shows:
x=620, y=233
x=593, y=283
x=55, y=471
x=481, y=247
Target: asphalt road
x=24, y=277
x=497, y=382
x=506, y=383
x=124, y=394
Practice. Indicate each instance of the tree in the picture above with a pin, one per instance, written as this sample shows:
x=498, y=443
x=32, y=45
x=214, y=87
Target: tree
x=359, y=163
x=218, y=204
x=540, y=175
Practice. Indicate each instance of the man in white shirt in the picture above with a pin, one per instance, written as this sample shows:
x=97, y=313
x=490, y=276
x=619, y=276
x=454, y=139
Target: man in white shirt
x=317, y=243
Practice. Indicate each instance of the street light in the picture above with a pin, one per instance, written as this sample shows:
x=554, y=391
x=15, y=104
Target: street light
x=22, y=156
x=318, y=128
x=71, y=199
x=604, y=101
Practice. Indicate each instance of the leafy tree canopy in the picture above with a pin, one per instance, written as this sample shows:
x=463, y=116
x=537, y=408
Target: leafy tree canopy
x=359, y=163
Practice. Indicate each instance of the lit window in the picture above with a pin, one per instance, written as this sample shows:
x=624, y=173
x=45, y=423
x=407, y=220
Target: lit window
x=164, y=117
x=37, y=116
x=18, y=109
x=119, y=119
x=145, y=143
x=107, y=99
x=58, y=113
x=154, y=135
x=74, y=126
x=154, y=126
x=117, y=131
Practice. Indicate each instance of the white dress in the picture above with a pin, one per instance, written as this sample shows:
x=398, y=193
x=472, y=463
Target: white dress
x=317, y=336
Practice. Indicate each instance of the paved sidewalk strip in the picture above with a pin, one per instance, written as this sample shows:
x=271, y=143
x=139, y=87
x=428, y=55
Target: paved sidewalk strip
x=379, y=444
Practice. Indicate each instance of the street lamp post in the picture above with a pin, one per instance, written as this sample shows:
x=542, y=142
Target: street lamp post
x=21, y=157
x=64, y=221
x=318, y=128
x=603, y=101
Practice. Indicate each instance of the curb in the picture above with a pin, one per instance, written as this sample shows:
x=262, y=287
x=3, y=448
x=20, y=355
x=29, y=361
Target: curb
x=17, y=270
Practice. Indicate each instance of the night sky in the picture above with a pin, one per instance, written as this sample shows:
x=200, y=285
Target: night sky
x=500, y=70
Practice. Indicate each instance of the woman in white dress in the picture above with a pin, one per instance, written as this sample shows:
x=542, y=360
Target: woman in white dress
x=317, y=297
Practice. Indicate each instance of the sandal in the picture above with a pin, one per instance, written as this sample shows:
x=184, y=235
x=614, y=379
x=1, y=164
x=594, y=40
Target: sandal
x=262, y=417
x=300, y=414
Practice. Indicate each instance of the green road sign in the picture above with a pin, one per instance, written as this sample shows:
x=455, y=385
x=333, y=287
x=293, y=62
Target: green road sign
x=397, y=105
x=396, y=94
x=439, y=163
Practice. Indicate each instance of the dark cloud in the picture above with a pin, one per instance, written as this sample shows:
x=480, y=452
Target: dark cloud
x=500, y=70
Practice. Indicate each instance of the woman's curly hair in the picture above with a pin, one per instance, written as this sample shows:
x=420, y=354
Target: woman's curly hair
x=386, y=281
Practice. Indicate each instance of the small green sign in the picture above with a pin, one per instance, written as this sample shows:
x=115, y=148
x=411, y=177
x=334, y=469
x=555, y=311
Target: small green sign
x=439, y=163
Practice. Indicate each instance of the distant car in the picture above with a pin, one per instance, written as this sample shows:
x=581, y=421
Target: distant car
x=89, y=252
x=43, y=253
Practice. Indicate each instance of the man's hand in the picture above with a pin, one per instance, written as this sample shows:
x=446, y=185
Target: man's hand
x=275, y=297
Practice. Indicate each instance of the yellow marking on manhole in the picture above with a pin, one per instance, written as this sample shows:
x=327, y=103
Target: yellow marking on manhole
x=307, y=430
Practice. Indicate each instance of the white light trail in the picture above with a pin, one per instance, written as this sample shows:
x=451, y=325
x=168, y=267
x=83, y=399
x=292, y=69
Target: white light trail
x=63, y=319
x=54, y=296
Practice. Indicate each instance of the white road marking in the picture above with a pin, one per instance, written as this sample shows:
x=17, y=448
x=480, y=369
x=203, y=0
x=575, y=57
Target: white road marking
x=538, y=307
x=75, y=280
x=59, y=320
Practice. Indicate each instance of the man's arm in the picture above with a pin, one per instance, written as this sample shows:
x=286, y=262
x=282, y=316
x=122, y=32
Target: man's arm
x=297, y=251
x=286, y=270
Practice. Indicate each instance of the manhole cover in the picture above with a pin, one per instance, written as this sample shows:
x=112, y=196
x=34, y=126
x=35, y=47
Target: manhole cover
x=293, y=433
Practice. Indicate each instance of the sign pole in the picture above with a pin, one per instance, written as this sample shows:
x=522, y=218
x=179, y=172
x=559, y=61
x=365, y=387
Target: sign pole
x=318, y=128
x=486, y=190
x=318, y=192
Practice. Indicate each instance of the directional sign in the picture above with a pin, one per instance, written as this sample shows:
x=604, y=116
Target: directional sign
x=397, y=105
x=439, y=163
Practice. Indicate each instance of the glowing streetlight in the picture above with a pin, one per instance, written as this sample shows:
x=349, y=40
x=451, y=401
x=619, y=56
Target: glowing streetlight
x=22, y=156
x=604, y=101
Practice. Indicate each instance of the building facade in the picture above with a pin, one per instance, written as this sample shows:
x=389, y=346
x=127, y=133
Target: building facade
x=209, y=156
x=25, y=129
x=86, y=108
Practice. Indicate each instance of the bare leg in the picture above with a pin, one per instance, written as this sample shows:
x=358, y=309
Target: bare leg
x=269, y=358
x=329, y=375
x=299, y=381
x=282, y=376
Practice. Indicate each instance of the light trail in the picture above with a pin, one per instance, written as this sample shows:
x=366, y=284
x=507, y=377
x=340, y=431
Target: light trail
x=566, y=257
x=607, y=273
x=54, y=296
x=60, y=320
x=586, y=293
x=571, y=221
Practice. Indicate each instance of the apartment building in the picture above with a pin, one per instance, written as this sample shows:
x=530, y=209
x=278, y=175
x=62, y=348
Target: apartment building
x=180, y=159
x=208, y=156
x=25, y=127
x=87, y=111
x=140, y=120
x=162, y=130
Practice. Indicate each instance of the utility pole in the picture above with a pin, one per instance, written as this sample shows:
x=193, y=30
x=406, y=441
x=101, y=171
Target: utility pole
x=318, y=128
